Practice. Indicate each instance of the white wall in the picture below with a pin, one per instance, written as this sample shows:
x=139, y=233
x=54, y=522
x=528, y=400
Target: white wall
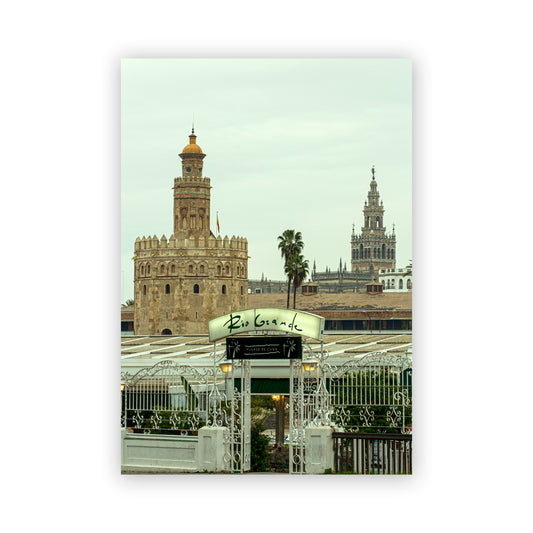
x=159, y=452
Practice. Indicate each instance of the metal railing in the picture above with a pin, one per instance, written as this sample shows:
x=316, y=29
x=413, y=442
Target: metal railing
x=372, y=453
x=167, y=399
x=372, y=394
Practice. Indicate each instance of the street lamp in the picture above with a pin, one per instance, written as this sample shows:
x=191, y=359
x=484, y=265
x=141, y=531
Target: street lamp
x=309, y=365
x=225, y=366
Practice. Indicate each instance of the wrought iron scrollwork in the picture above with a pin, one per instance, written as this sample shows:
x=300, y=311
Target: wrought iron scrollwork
x=156, y=420
x=138, y=419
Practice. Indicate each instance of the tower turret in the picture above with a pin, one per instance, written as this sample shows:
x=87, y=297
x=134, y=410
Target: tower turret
x=192, y=196
x=373, y=211
x=191, y=158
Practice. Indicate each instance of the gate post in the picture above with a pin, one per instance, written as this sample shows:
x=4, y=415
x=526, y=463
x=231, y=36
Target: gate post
x=318, y=449
x=211, y=449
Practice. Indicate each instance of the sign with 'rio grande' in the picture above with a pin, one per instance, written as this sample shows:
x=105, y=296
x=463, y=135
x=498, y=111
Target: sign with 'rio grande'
x=267, y=319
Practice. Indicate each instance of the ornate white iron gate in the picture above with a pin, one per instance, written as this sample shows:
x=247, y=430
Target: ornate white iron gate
x=167, y=398
x=308, y=404
x=372, y=394
x=173, y=399
x=238, y=423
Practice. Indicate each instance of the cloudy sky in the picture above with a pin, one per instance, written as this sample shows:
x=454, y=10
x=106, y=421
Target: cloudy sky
x=290, y=143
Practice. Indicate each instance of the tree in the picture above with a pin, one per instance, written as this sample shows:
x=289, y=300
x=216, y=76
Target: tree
x=128, y=302
x=300, y=269
x=289, y=243
x=289, y=272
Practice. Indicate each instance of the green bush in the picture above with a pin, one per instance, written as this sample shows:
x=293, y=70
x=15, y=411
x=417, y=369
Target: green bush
x=260, y=461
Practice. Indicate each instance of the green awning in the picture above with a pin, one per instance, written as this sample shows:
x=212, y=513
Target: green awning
x=266, y=386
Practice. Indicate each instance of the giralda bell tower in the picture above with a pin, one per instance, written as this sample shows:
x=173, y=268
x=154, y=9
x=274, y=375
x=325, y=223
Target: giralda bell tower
x=373, y=249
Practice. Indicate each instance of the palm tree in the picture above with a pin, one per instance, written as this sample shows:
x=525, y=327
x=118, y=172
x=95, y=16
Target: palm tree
x=300, y=270
x=289, y=243
x=289, y=271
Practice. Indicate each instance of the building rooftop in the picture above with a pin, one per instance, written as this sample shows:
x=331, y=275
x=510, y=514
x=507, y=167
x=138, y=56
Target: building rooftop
x=332, y=301
x=139, y=352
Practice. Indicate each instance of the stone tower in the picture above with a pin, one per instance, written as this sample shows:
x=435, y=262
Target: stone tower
x=373, y=249
x=186, y=280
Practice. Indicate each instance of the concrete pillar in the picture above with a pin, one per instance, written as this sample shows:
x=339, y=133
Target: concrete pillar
x=123, y=433
x=318, y=449
x=211, y=449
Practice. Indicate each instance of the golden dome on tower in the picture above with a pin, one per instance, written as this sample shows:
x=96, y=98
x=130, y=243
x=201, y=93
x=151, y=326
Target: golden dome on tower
x=192, y=147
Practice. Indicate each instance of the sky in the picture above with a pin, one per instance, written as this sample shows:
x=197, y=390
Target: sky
x=289, y=144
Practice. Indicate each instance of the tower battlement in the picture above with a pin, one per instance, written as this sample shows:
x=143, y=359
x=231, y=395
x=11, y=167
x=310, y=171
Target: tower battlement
x=374, y=236
x=150, y=244
x=191, y=179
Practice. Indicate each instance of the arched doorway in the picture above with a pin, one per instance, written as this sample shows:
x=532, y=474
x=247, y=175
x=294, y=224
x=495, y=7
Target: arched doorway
x=166, y=332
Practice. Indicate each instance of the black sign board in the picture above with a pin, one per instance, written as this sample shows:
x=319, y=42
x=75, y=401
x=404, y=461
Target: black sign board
x=263, y=347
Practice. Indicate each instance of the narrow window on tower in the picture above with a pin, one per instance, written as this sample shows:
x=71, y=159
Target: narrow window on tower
x=167, y=289
x=196, y=289
x=223, y=289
